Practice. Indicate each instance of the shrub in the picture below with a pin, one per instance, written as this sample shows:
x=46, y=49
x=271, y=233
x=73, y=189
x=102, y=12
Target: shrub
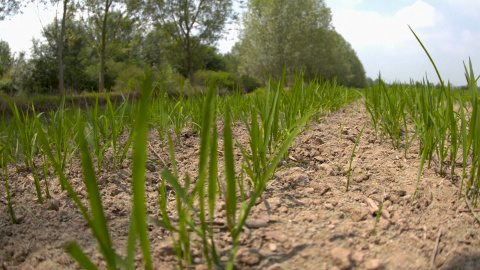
x=6, y=86
x=248, y=84
x=129, y=79
x=223, y=80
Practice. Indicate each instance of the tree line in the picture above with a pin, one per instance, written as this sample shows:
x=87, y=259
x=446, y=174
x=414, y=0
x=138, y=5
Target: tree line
x=100, y=45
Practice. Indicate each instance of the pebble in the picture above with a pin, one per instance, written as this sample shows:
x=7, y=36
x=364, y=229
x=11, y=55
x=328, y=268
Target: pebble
x=272, y=246
x=328, y=206
x=361, y=178
x=256, y=223
x=276, y=235
x=342, y=257
x=360, y=214
x=373, y=264
x=249, y=256
x=115, y=191
x=358, y=257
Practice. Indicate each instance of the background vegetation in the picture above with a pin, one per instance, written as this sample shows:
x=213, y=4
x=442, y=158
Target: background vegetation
x=107, y=44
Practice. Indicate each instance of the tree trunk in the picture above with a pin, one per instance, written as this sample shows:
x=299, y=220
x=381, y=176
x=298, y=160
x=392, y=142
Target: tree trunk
x=61, y=84
x=191, y=73
x=101, y=80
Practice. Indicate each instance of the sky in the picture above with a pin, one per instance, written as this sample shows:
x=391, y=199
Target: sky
x=19, y=30
x=377, y=30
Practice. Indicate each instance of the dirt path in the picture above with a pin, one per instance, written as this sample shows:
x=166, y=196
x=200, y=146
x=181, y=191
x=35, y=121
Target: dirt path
x=305, y=220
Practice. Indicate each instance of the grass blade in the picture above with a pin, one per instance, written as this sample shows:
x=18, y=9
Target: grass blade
x=139, y=158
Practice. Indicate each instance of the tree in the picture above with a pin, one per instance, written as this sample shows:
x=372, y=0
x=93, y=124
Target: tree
x=6, y=59
x=40, y=73
x=191, y=23
x=9, y=8
x=61, y=83
x=105, y=21
x=297, y=35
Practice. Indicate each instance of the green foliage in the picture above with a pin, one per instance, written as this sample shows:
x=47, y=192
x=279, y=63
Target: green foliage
x=10, y=8
x=248, y=83
x=444, y=132
x=221, y=79
x=298, y=35
x=129, y=79
x=190, y=24
x=6, y=58
x=275, y=117
x=6, y=86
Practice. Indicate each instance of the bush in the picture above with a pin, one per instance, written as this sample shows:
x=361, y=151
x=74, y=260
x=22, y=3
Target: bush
x=248, y=84
x=223, y=80
x=129, y=79
x=6, y=86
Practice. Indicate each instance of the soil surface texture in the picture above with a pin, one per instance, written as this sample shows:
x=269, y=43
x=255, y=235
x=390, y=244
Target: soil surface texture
x=304, y=220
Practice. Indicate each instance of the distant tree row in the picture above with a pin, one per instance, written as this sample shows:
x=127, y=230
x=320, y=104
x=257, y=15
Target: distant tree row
x=107, y=44
x=297, y=35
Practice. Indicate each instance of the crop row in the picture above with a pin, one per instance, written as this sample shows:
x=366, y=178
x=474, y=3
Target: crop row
x=445, y=120
x=273, y=117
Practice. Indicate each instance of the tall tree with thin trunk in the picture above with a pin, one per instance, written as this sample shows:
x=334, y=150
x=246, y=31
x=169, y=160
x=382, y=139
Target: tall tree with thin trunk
x=105, y=20
x=103, y=45
x=202, y=20
x=61, y=84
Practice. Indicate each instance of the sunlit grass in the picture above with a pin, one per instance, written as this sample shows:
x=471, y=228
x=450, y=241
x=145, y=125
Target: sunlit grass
x=103, y=136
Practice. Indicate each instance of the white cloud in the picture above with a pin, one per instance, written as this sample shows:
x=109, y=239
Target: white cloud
x=366, y=28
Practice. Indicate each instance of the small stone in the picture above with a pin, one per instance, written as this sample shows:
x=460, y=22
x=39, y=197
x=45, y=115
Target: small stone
x=248, y=256
x=358, y=257
x=360, y=214
x=201, y=267
x=150, y=166
x=325, y=167
x=310, y=190
x=165, y=250
x=323, y=189
x=114, y=192
x=219, y=206
x=373, y=264
x=328, y=206
x=400, y=193
x=385, y=213
x=276, y=235
x=287, y=245
x=257, y=223
x=272, y=246
x=341, y=257
x=361, y=178
x=283, y=209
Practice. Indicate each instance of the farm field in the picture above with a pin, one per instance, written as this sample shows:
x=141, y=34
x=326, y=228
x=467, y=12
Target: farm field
x=277, y=173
